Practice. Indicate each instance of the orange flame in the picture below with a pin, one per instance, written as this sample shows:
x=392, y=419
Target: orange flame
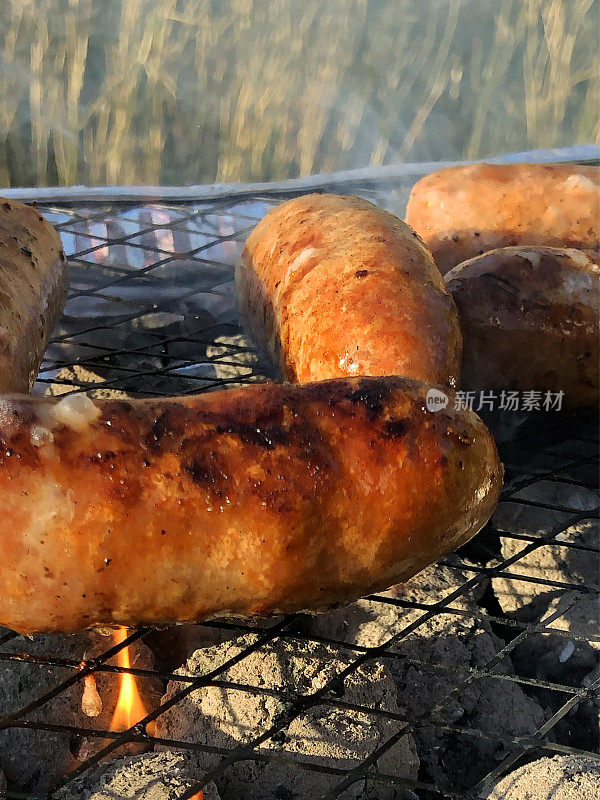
x=130, y=707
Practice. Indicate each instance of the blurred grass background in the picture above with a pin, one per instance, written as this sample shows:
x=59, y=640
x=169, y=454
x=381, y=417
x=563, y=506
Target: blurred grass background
x=192, y=91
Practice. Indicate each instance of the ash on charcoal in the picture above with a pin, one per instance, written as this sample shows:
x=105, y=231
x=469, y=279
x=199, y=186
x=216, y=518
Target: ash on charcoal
x=445, y=647
x=552, y=657
x=448, y=650
x=33, y=760
x=150, y=776
x=565, y=659
x=554, y=561
x=173, y=646
x=534, y=520
x=69, y=377
x=580, y=726
x=322, y=735
x=558, y=778
x=556, y=657
x=234, y=357
x=371, y=623
x=527, y=520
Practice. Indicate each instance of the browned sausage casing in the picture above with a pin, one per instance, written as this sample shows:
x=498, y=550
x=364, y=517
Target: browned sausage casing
x=248, y=501
x=461, y=212
x=33, y=287
x=530, y=318
x=336, y=287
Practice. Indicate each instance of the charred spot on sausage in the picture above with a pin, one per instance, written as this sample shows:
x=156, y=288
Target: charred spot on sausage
x=206, y=473
x=171, y=423
x=371, y=394
x=395, y=428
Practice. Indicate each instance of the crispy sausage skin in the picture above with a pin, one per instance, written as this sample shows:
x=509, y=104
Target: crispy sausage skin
x=530, y=318
x=336, y=287
x=462, y=212
x=33, y=287
x=248, y=501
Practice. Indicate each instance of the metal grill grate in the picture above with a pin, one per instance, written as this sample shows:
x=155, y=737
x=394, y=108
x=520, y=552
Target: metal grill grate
x=151, y=312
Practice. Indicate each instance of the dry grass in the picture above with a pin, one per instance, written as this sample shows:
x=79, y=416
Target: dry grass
x=158, y=91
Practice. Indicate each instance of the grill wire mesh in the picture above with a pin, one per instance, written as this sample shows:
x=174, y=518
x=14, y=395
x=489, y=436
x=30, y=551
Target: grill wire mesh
x=151, y=312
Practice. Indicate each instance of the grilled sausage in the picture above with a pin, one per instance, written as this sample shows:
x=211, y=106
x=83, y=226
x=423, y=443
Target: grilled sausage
x=462, y=212
x=335, y=287
x=530, y=321
x=263, y=499
x=33, y=286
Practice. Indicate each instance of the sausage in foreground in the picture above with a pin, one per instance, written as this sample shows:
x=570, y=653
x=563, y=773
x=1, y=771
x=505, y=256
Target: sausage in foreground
x=462, y=212
x=249, y=501
x=333, y=287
